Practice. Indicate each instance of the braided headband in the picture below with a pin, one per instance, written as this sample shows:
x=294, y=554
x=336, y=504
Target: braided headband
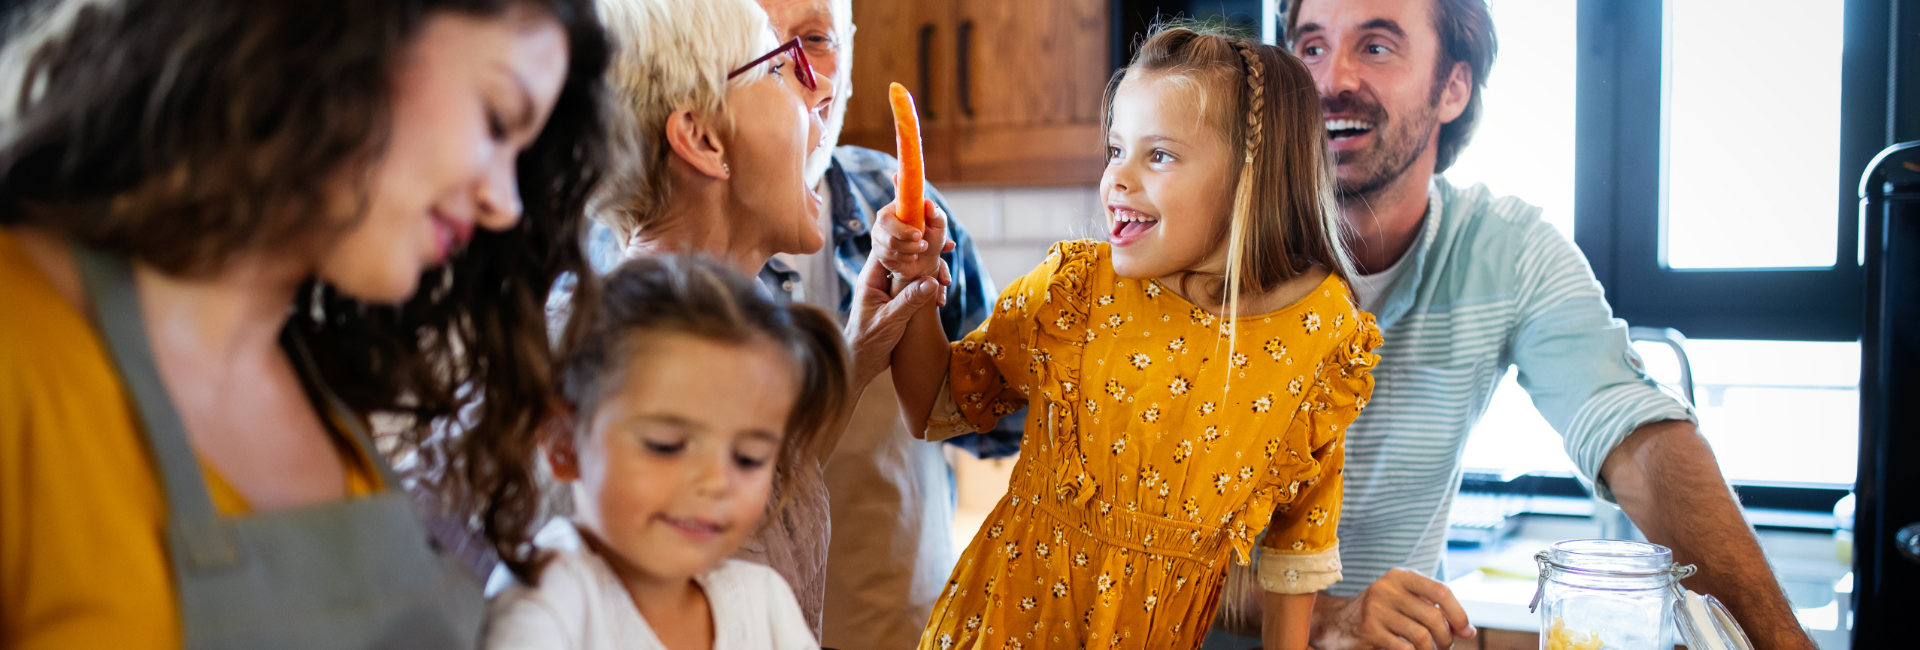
x=1256, y=82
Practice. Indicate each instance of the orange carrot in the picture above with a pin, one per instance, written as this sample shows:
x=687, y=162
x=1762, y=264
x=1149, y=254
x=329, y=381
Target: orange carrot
x=913, y=170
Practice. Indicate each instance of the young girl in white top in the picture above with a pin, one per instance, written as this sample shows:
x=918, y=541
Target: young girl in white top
x=683, y=391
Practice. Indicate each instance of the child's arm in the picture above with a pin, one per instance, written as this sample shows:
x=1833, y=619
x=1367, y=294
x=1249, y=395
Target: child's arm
x=920, y=366
x=920, y=361
x=1284, y=620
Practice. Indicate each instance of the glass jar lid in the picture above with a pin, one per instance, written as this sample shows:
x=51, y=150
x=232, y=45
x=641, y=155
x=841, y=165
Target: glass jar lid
x=1705, y=624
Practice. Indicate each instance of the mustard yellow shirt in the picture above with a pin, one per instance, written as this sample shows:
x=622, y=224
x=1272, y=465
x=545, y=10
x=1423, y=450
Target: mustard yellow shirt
x=83, y=554
x=1159, y=444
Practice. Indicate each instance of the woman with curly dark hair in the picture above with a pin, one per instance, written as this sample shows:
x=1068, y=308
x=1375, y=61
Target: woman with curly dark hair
x=231, y=232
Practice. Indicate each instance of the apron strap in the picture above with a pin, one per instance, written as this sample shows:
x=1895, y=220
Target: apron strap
x=343, y=416
x=192, y=523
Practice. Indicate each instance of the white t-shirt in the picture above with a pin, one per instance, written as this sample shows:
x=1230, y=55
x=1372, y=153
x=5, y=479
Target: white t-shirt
x=581, y=605
x=1372, y=290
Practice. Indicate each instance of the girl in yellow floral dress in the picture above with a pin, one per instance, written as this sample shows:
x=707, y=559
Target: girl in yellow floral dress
x=1188, y=384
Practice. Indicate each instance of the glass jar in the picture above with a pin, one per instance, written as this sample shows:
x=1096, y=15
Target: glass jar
x=1604, y=593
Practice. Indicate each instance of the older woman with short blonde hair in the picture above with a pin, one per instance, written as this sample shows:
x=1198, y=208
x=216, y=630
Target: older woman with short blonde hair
x=715, y=148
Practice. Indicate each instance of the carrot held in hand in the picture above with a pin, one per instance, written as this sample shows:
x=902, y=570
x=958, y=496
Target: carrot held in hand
x=913, y=170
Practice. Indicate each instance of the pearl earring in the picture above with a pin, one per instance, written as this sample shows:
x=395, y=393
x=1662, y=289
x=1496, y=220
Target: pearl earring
x=725, y=169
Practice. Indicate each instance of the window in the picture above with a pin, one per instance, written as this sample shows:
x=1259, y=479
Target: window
x=1704, y=155
x=1783, y=413
x=1719, y=144
x=1752, y=184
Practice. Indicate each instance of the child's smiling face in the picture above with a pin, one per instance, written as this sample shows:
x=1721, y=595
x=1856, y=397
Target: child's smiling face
x=1169, y=180
x=676, y=463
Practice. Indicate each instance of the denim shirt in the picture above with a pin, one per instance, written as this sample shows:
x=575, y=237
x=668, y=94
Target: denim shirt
x=861, y=182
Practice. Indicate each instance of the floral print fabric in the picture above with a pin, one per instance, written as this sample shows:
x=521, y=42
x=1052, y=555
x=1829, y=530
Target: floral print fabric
x=1160, y=443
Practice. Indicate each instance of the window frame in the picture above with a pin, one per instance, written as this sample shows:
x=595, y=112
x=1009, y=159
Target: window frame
x=1620, y=152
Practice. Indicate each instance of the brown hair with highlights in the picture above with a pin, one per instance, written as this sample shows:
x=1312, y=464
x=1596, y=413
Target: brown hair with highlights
x=1263, y=102
x=694, y=296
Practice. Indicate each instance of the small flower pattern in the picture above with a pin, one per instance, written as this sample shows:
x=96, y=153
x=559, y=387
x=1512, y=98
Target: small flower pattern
x=1151, y=415
x=1073, y=335
x=1275, y=348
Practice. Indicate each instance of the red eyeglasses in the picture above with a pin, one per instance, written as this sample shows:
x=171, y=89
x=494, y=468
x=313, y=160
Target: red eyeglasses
x=801, y=69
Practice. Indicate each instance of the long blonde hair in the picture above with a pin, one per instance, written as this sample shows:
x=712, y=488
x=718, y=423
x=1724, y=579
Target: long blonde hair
x=1263, y=103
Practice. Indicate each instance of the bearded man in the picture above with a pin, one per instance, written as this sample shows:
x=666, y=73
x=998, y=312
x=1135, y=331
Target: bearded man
x=1464, y=285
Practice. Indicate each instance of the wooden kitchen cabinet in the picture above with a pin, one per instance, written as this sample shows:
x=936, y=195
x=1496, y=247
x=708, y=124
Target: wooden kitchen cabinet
x=1009, y=90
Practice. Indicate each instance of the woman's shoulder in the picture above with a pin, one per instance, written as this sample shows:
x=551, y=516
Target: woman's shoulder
x=41, y=289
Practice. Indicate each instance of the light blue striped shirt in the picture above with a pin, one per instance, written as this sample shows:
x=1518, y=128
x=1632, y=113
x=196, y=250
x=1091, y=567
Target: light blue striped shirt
x=1491, y=286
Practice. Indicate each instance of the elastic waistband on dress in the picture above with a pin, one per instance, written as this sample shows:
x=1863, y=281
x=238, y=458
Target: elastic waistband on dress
x=1141, y=532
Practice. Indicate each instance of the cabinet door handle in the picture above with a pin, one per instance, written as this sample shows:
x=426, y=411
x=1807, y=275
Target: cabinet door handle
x=966, y=68
x=925, y=101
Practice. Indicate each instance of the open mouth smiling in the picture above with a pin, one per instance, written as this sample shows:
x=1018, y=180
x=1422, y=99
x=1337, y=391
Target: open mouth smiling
x=1129, y=225
x=1342, y=129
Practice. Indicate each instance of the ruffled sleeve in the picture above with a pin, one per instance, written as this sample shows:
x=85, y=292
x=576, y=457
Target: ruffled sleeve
x=1000, y=367
x=1301, y=552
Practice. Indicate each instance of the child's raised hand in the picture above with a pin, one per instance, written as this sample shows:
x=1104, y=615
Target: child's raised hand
x=907, y=253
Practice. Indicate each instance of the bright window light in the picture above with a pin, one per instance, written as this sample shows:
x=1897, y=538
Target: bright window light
x=1753, y=133
x=1523, y=145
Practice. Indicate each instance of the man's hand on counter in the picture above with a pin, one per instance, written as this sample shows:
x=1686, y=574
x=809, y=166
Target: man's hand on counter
x=1403, y=610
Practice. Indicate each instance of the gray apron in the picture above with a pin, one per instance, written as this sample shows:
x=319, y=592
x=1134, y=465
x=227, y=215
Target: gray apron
x=348, y=574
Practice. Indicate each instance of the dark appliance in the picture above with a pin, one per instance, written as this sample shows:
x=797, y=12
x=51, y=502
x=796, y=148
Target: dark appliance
x=1887, y=520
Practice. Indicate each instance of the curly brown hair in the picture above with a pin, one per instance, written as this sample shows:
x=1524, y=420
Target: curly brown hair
x=650, y=296
x=181, y=132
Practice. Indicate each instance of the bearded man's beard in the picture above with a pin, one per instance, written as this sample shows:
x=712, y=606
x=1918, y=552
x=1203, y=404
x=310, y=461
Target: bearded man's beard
x=1396, y=144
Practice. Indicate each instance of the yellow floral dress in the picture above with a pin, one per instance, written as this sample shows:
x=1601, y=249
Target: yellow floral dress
x=1153, y=452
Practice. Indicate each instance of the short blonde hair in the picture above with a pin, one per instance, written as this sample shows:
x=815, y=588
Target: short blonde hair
x=669, y=55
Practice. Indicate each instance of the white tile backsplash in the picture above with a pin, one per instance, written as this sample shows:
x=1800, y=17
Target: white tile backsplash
x=1049, y=213
x=1013, y=227
x=978, y=210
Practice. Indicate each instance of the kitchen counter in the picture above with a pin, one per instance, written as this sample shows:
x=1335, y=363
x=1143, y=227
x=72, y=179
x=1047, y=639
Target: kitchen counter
x=1495, y=582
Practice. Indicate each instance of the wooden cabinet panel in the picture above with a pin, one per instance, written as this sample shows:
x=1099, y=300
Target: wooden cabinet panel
x=1508, y=640
x=1021, y=107
x=1065, y=154
x=890, y=39
x=1033, y=63
x=1030, y=91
